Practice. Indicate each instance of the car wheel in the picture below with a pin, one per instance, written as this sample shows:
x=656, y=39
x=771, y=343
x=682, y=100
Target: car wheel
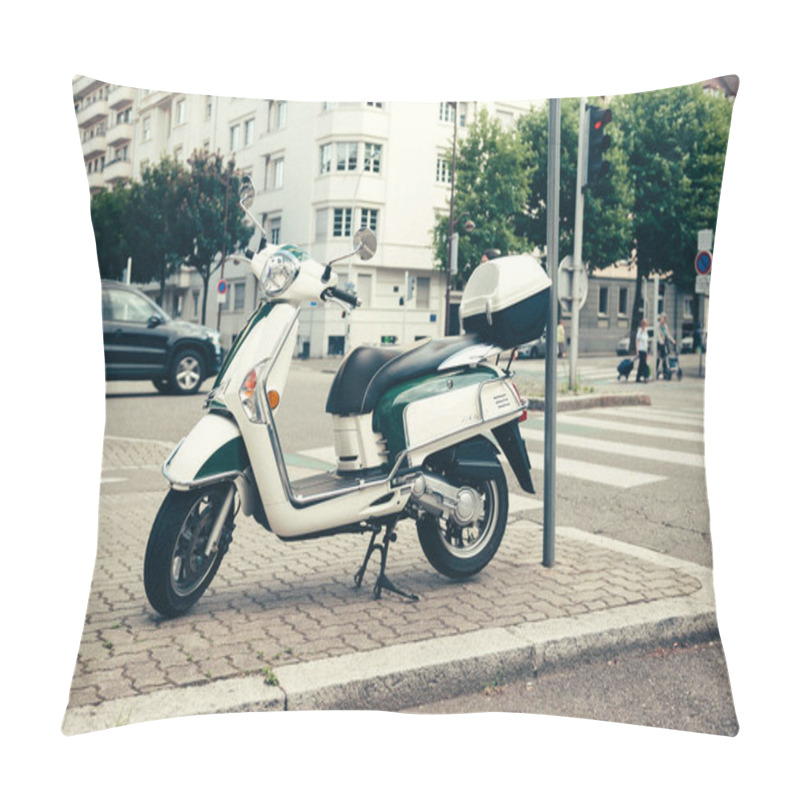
x=187, y=372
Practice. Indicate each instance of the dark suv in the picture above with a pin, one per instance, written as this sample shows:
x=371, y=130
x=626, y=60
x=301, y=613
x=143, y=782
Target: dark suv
x=142, y=342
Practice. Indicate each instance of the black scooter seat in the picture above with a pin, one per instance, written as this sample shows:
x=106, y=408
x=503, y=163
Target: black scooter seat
x=368, y=372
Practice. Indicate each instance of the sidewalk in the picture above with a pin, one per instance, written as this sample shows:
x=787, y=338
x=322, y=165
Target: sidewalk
x=283, y=627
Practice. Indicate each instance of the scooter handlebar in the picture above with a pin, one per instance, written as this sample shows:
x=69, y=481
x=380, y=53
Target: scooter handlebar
x=339, y=294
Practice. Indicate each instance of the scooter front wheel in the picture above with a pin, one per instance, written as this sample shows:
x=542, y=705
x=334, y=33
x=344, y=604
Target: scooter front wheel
x=177, y=569
x=459, y=552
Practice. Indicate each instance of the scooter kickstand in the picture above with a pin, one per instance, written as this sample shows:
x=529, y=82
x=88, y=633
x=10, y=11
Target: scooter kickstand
x=359, y=576
x=382, y=581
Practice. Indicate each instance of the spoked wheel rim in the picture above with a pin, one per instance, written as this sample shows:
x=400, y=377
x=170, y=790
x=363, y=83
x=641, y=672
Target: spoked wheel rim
x=466, y=542
x=190, y=565
x=188, y=372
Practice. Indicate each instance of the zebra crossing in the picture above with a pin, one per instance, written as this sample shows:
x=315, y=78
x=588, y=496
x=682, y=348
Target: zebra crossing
x=590, y=444
x=652, y=441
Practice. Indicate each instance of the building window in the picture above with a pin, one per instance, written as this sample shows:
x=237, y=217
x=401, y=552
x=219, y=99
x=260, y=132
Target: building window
x=346, y=156
x=602, y=306
x=235, y=129
x=180, y=112
x=238, y=296
x=442, y=169
x=423, y=292
x=146, y=132
x=369, y=218
x=622, y=308
x=280, y=115
x=275, y=230
x=342, y=221
x=179, y=154
x=124, y=116
x=196, y=304
x=372, y=157
x=249, y=132
x=209, y=106
x=336, y=345
x=446, y=112
x=374, y=105
x=325, y=159
x=687, y=306
x=277, y=173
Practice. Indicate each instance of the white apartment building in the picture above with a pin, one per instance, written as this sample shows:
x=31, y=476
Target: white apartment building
x=321, y=171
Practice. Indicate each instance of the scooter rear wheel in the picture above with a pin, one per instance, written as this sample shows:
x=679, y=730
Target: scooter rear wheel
x=176, y=569
x=460, y=552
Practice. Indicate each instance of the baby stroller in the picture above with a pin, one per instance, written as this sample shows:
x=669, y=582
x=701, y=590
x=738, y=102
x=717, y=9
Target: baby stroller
x=670, y=365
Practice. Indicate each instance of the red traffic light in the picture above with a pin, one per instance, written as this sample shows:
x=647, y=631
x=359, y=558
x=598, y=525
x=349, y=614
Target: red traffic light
x=600, y=117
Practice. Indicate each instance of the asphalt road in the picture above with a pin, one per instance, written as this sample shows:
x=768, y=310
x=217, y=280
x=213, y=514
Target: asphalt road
x=684, y=687
x=657, y=503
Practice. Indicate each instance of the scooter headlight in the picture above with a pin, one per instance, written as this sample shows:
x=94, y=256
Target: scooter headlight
x=279, y=273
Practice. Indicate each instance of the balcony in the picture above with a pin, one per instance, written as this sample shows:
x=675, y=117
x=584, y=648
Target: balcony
x=120, y=133
x=116, y=171
x=95, y=145
x=96, y=182
x=92, y=114
x=120, y=96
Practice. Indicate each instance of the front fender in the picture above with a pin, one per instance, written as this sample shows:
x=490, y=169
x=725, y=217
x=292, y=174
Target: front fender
x=212, y=451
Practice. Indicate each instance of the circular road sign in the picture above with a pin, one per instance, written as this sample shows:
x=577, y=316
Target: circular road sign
x=222, y=287
x=570, y=279
x=702, y=262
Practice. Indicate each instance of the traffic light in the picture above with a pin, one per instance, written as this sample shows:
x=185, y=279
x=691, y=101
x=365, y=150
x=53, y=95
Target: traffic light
x=599, y=142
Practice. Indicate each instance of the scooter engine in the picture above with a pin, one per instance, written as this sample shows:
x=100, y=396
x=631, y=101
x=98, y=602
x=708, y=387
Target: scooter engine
x=435, y=496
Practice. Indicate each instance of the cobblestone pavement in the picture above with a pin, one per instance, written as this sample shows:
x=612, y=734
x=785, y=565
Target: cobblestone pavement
x=275, y=603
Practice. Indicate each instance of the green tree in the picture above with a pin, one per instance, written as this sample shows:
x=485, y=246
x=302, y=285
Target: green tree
x=153, y=228
x=490, y=185
x=109, y=211
x=211, y=224
x=675, y=140
x=606, y=213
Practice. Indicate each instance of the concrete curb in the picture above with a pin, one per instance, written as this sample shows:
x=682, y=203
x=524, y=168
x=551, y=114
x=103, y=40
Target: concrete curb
x=396, y=677
x=591, y=401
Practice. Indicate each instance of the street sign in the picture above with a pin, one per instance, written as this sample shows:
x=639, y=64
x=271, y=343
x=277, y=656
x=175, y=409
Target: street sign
x=705, y=239
x=222, y=287
x=701, y=284
x=568, y=301
x=702, y=263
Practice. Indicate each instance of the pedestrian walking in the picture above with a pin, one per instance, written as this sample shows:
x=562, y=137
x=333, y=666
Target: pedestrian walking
x=664, y=339
x=641, y=349
x=561, y=339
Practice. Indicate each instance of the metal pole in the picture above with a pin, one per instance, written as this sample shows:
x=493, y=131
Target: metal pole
x=405, y=303
x=551, y=397
x=654, y=323
x=224, y=242
x=577, y=250
x=450, y=239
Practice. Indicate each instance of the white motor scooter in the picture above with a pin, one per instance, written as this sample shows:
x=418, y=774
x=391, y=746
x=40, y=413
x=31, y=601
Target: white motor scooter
x=417, y=432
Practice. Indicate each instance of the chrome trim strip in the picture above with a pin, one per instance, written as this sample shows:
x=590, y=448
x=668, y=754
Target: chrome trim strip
x=295, y=500
x=197, y=484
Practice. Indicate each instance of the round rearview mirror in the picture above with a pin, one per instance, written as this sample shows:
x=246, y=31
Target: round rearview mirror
x=246, y=192
x=365, y=243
